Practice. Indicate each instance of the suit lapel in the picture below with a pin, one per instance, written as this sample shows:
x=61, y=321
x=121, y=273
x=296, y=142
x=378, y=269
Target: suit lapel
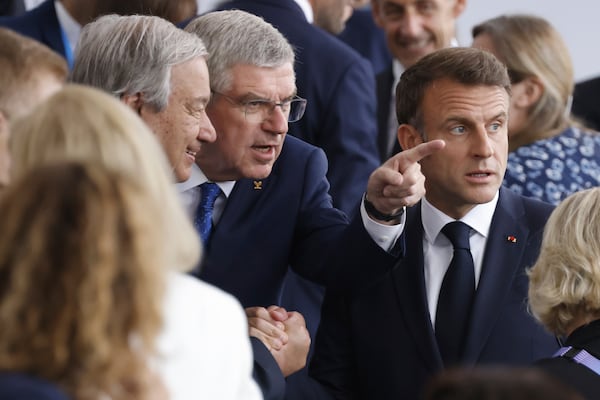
x=409, y=282
x=50, y=27
x=505, y=247
x=385, y=80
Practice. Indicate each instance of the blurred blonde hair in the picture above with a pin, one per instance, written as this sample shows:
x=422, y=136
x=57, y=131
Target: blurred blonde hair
x=81, y=280
x=531, y=47
x=565, y=281
x=83, y=123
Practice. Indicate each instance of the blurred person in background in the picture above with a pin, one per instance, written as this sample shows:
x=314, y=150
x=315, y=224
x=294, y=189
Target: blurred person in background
x=550, y=155
x=564, y=291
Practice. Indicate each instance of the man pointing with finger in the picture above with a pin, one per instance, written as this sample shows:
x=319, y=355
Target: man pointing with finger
x=267, y=194
x=457, y=296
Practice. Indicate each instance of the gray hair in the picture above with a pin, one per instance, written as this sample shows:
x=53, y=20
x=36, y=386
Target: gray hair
x=236, y=37
x=133, y=54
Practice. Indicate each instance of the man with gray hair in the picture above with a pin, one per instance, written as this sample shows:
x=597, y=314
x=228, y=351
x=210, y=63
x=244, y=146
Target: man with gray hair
x=272, y=208
x=158, y=70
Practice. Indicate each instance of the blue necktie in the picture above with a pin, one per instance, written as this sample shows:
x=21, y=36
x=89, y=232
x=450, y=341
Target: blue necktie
x=456, y=295
x=209, y=193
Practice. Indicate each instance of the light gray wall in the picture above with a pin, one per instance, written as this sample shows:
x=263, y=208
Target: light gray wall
x=576, y=20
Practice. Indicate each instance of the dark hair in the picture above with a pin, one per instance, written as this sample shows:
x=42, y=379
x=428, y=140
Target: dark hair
x=464, y=65
x=497, y=383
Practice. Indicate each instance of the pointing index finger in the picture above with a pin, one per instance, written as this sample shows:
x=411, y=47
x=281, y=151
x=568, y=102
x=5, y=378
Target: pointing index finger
x=417, y=153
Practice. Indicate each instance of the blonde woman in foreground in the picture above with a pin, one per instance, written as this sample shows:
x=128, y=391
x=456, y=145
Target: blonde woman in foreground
x=203, y=350
x=564, y=289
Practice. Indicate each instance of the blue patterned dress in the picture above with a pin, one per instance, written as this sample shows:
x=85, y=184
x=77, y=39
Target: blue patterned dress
x=553, y=168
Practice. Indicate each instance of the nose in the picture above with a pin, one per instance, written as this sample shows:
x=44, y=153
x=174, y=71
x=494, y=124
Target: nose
x=482, y=144
x=207, y=132
x=276, y=122
x=411, y=24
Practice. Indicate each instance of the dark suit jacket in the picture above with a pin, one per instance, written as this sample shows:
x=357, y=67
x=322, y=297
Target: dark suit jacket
x=384, y=81
x=287, y=220
x=17, y=386
x=40, y=24
x=363, y=35
x=340, y=118
x=379, y=343
x=586, y=102
x=575, y=375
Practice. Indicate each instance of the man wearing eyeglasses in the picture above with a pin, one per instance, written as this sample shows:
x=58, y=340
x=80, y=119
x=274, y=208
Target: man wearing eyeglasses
x=272, y=209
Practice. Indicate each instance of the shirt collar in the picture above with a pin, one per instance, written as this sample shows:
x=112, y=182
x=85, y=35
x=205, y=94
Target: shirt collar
x=479, y=218
x=68, y=24
x=197, y=178
x=306, y=9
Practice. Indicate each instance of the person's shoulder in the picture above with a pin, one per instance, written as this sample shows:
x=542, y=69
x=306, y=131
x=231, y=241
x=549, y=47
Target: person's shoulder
x=185, y=289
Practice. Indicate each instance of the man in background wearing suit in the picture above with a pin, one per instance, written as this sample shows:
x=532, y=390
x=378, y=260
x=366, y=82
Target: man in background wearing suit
x=413, y=29
x=272, y=208
x=445, y=303
x=58, y=23
x=339, y=86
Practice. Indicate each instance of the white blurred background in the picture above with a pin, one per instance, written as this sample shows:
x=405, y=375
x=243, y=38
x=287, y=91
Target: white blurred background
x=576, y=20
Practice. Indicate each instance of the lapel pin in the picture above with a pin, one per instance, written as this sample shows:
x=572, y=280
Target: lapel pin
x=257, y=185
x=511, y=239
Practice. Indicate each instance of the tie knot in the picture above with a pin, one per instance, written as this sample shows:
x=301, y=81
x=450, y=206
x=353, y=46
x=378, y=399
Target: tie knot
x=458, y=233
x=209, y=193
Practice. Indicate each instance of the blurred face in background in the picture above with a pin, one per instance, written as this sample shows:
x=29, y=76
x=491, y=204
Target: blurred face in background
x=331, y=15
x=415, y=28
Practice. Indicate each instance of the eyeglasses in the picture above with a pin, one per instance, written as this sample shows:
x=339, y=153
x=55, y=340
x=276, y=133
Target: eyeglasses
x=258, y=110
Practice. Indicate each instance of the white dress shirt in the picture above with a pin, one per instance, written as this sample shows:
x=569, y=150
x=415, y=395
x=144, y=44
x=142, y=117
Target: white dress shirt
x=68, y=24
x=438, y=250
x=306, y=9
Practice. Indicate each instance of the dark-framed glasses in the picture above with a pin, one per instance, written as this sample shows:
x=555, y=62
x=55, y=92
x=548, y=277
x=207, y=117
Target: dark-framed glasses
x=258, y=110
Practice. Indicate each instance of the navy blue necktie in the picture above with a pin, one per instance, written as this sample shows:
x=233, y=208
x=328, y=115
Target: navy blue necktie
x=456, y=295
x=203, y=221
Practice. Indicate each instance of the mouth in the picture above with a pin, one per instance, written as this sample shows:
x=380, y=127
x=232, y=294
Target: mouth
x=190, y=154
x=480, y=176
x=415, y=45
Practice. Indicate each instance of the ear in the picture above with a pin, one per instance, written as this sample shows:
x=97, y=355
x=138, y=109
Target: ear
x=408, y=136
x=527, y=92
x=376, y=11
x=459, y=7
x=134, y=101
x=3, y=124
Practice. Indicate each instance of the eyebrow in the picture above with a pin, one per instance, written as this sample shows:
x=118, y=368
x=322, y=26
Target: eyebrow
x=467, y=121
x=253, y=95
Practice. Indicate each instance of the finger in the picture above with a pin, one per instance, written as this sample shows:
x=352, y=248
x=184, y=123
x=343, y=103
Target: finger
x=259, y=312
x=411, y=156
x=263, y=313
x=277, y=313
x=269, y=342
x=269, y=329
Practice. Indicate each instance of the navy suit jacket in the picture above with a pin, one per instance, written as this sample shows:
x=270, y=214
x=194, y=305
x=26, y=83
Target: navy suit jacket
x=40, y=24
x=286, y=220
x=363, y=35
x=585, y=102
x=17, y=386
x=339, y=85
x=379, y=343
x=384, y=85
